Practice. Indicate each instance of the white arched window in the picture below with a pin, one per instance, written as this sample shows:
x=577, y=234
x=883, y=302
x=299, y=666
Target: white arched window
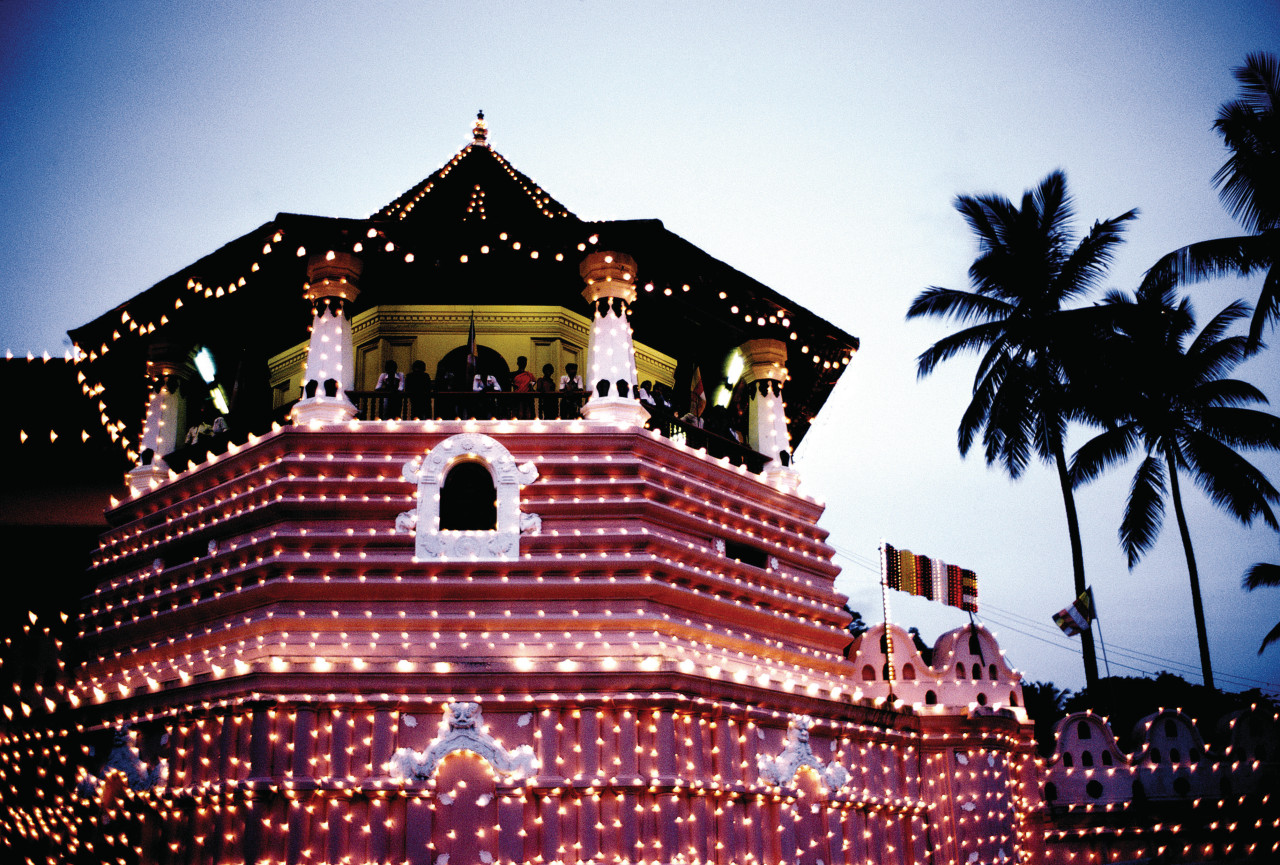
x=483, y=468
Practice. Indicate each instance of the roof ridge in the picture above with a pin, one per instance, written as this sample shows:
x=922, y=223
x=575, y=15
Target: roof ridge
x=403, y=205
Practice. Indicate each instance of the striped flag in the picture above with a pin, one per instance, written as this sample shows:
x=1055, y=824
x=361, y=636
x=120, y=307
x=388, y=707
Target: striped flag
x=1075, y=618
x=925, y=577
x=697, y=394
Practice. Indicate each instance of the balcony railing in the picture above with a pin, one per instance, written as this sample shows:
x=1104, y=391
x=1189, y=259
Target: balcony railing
x=463, y=405
x=716, y=444
x=380, y=405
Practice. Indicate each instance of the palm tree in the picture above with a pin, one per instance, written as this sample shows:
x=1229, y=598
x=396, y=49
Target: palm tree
x=1045, y=703
x=1029, y=265
x=1173, y=400
x=1263, y=574
x=1249, y=187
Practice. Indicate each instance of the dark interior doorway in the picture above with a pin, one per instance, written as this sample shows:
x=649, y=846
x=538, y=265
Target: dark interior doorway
x=468, y=499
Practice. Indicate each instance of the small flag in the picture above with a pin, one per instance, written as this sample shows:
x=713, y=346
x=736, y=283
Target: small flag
x=1075, y=618
x=968, y=590
x=697, y=394
x=904, y=571
x=473, y=360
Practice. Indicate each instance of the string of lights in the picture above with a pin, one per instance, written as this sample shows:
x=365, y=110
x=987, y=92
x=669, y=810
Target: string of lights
x=635, y=660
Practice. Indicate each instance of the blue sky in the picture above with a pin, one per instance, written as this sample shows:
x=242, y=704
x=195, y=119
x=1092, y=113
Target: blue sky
x=814, y=146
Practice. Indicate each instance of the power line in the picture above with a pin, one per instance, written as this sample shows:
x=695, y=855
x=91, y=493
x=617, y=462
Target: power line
x=1133, y=654
x=1124, y=652
x=1166, y=664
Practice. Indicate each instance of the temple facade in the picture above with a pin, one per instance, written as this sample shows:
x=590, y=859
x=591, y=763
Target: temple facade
x=333, y=623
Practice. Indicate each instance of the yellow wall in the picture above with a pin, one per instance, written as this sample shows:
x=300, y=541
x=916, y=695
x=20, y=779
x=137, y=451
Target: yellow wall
x=544, y=334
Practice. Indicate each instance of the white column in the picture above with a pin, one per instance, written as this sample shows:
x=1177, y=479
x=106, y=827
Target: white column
x=332, y=282
x=766, y=371
x=161, y=427
x=611, y=354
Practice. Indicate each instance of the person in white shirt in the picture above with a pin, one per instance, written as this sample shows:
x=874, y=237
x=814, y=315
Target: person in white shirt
x=390, y=382
x=479, y=384
x=571, y=383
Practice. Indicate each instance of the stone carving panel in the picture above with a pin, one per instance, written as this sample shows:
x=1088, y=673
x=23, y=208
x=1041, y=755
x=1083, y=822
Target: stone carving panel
x=462, y=730
x=796, y=753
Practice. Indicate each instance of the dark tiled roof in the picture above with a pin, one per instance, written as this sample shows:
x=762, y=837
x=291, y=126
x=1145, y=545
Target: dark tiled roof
x=487, y=187
x=476, y=231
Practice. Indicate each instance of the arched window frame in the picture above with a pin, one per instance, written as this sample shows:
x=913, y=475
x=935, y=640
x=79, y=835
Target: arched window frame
x=499, y=544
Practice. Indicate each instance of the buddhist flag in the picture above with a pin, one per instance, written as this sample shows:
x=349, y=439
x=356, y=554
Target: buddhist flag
x=925, y=577
x=1075, y=618
x=697, y=394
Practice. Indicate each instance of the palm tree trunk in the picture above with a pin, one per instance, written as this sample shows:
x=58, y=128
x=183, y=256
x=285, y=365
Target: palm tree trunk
x=1202, y=633
x=1077, y=565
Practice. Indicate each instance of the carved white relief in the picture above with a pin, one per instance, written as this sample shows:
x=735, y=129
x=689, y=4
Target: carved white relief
x=429, y=471
x=796, y=753
x=462, y=729
x=407, y=521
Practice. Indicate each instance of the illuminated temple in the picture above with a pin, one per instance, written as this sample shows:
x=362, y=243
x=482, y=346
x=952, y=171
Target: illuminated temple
x=327, y=623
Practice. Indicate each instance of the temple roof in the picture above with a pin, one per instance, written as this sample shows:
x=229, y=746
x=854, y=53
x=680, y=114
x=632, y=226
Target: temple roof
x=476, y=231
x=477, y=185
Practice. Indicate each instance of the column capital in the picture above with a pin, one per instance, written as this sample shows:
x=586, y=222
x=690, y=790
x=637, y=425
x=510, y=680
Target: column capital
x=169, y=358
x=608, y=274
x=765, y=359
x=333, y=274
x=163, y=370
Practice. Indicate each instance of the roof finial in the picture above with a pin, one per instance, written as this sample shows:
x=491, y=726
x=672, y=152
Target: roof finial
x=480, y=132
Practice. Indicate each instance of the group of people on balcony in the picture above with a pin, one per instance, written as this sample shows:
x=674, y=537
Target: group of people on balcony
x=414, y=396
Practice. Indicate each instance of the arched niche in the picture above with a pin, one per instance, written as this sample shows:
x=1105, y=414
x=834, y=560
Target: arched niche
x=453, y=366
x=476, y=453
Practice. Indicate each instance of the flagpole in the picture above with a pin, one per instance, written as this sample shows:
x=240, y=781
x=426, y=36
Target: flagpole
x=973, y=629
x=1105, y=662
x=888, y=638
x=1093, y=610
